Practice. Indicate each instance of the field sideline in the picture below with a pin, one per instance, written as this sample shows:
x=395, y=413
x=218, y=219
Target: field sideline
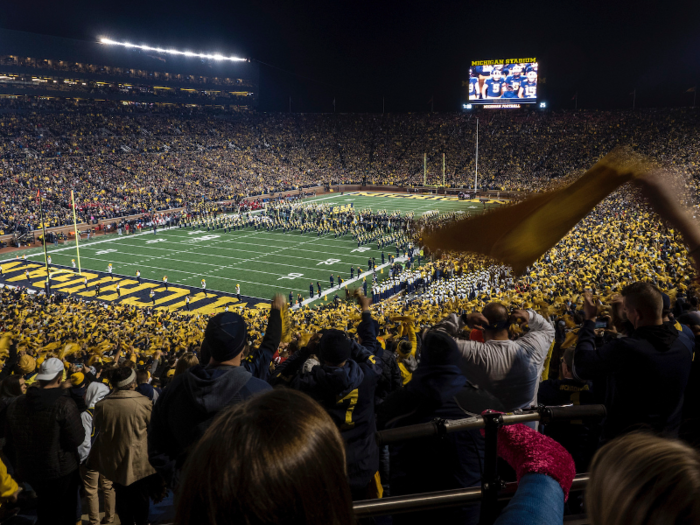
x=262, y=262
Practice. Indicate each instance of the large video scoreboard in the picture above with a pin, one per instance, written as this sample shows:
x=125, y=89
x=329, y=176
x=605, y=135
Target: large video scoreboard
x=506, y=82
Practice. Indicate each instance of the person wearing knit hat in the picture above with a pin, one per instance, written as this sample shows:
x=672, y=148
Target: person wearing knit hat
x=120, y=448
x=77, y=379
x=344, y=384
x=224, y=377
x=26, y=365
x=78, y=386
x=334, y=348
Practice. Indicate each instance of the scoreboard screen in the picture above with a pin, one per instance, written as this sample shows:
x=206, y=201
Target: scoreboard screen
x=501, y=81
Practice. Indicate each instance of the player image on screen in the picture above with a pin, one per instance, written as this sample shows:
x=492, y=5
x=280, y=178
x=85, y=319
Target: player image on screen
x=473, y=88
x=529, y=88
x=515, y=79
x=490, y=84
x=493, y=87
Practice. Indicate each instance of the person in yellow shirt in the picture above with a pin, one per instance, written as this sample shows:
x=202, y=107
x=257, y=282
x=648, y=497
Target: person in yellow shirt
x=9, y=490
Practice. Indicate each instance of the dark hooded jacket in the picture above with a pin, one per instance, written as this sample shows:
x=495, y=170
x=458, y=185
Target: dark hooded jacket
x=192, y=400
x=645, y=376
x=188, y=406
x=391, y=376
x=438, y=389
x=44, y=429
x=347, y=393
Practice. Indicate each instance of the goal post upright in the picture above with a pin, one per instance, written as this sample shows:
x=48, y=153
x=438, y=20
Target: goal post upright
x=77, y=234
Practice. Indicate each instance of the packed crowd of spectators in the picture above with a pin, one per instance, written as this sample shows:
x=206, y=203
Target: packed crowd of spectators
x=125, y=159
x=493, y=340
x=252, y=416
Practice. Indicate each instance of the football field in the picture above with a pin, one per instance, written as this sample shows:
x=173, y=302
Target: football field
x=262, y=262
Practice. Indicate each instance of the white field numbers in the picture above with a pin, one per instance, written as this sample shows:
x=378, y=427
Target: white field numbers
x=329, y=262
x=291, y=276
x=202, y=238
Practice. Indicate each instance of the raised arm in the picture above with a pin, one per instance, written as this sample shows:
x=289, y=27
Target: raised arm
x=661, y=195
x=591, y=362
x=258, y=363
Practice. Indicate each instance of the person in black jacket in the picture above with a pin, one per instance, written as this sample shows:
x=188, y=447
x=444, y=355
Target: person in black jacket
x=645, y=374
x=389, y=382
x=579, y=437
x=344, y=384
x=391, y=374
x=44, y=429
x=438, y=389
x=192, y=400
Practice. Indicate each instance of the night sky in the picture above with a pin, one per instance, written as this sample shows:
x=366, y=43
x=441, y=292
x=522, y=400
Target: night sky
x=358, y=52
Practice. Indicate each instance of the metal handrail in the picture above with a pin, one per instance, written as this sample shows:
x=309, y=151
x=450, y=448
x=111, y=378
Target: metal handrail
x=491, y=490
x=440, y=426
x=440, y=500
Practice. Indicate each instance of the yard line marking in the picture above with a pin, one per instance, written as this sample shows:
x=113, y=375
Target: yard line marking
x=219, y=267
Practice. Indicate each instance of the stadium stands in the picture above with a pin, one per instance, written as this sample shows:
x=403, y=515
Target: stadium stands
x=123, y=159
x=350, y=358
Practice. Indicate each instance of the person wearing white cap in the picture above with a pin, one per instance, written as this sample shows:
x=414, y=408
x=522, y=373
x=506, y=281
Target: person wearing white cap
x=44, y=428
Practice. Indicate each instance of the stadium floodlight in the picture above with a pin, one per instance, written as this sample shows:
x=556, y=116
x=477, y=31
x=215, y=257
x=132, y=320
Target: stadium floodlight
x=217, y=56
x=467, y=106
x=543, y=105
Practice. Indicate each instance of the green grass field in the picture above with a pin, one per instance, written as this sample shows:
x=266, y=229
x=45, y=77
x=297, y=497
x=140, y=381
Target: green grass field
x=261, y=262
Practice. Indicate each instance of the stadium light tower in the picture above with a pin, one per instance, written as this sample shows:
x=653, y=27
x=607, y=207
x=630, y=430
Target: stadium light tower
x=216, y=56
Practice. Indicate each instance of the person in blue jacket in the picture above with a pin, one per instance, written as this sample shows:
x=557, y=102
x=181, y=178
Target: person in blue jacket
x=344, y=384
x=189, y=404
